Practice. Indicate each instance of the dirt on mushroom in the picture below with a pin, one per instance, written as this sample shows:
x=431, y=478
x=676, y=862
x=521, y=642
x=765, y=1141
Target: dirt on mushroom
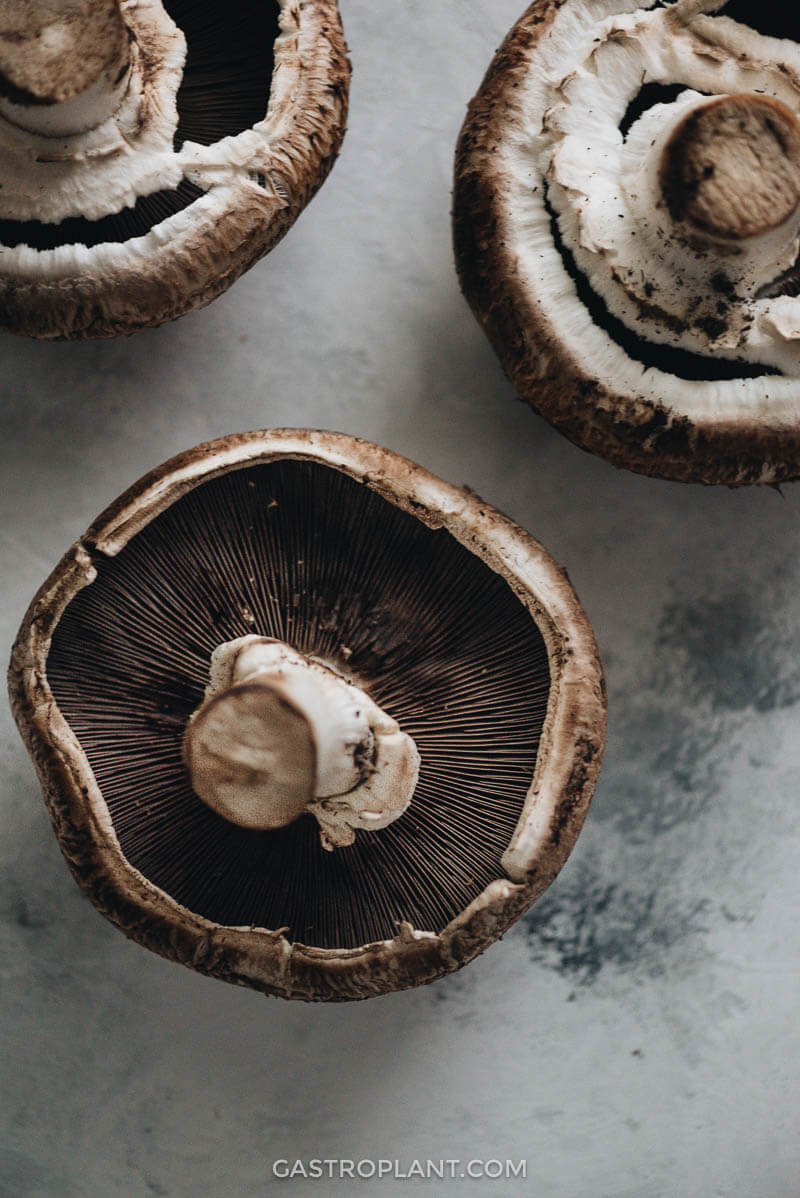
x=627, y=236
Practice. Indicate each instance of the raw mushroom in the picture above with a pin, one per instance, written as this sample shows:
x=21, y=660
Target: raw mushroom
x=151, y=152
x=411, y=715
x=627, y=228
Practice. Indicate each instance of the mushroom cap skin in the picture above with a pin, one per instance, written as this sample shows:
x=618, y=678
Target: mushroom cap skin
x=537, y=607
x=140, y=220
x=540, y=195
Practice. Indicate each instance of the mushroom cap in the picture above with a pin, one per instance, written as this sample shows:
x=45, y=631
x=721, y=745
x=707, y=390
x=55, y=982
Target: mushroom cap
x=168, y=202
x=448, y=615
x=624, y=384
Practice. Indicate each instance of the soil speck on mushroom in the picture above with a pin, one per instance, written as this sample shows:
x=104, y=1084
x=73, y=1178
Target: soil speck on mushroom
x=662, y=231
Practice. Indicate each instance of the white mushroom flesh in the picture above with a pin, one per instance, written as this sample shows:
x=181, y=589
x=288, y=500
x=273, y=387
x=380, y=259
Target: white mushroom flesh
x=58, y=161
x=104, y=168
x=252, y=768
x=563, y=152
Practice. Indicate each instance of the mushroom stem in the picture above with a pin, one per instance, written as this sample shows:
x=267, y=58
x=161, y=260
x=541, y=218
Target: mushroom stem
x=279, y=734
x=731, y=168
x=64, y=64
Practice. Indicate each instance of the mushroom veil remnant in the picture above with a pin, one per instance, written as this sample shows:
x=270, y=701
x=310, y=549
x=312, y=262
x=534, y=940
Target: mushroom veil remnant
x=308, y=718
x=627, y=230
x=152, y=150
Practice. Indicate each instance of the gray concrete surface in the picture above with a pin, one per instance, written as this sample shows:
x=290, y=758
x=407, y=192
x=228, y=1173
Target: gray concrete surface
x=636, y=1035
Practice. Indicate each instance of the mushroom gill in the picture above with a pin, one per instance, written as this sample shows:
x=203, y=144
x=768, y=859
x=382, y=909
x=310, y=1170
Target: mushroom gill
x=136, y=221
x=300, y=552
x=228, y=69
x=671, y=359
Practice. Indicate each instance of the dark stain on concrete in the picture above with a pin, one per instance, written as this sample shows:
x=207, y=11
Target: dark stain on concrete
x=644, y=902
x=28, y=917
x=588, y=922
x=672, y=767
x=729, y=655
x=714, y=663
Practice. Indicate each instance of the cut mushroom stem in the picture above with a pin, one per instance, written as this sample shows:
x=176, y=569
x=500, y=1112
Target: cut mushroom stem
x=65, y=65
x=280, y=734
x=714, y=194
x=731, y=168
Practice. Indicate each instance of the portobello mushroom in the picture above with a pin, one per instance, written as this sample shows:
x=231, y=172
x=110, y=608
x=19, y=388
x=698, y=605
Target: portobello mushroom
x=627, y=230
x=309, y=719
x=152, y=152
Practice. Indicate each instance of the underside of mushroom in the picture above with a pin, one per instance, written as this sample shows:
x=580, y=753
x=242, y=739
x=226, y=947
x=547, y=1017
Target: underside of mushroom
x=152, y=151
x=309, y=719
x=627, y=229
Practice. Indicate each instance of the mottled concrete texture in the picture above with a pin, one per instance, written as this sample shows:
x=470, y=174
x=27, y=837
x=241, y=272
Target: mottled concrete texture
x=636, y=1035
